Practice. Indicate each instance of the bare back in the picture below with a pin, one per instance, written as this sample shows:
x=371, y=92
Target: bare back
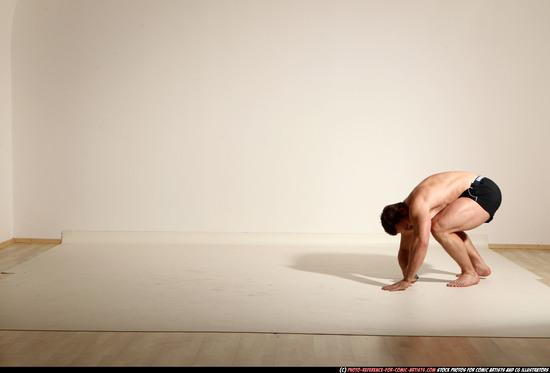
x=440, y=190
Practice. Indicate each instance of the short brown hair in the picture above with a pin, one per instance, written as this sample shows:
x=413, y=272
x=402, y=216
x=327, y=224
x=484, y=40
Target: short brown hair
x=391, y=216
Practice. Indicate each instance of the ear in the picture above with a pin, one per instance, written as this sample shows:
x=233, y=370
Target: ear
x=403, y=211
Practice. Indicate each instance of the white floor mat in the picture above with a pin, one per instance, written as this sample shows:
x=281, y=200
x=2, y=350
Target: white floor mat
x=254, y=283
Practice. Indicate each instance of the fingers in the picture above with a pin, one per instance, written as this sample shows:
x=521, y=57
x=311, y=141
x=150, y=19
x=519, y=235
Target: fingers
x=392, y=288
x=398, y=286
x=395, y=289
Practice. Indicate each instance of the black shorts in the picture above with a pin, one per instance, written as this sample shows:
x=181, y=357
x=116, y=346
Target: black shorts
x=486, y=193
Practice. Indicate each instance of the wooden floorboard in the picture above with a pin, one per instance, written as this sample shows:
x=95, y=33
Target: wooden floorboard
x=112, y=349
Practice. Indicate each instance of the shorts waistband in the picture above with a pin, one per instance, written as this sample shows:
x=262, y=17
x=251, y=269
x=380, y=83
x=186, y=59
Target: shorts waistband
x=478, y=179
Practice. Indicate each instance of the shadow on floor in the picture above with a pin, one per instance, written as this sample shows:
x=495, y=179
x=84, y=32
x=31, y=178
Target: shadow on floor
x=363, y=268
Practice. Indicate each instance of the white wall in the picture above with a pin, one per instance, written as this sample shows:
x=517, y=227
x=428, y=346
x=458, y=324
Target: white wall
x=6, y=192
x=274, y=116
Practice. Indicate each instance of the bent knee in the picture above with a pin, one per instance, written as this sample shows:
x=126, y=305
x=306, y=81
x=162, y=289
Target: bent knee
x=438, y=230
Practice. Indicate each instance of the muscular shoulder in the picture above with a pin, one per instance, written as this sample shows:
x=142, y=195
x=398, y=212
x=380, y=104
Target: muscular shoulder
x=437, y=190
x=419, y=196
x=419, y=205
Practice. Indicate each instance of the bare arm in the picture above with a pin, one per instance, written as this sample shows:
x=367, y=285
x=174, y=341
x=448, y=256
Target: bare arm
x=422, y=225
x=418, y=247
x=403, y=254
x=404, y=249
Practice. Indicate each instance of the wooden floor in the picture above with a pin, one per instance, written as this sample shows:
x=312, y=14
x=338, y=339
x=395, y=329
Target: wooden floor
x=47, y=348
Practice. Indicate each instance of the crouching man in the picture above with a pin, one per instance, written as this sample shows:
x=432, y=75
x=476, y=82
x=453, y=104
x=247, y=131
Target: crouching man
x=446, y=205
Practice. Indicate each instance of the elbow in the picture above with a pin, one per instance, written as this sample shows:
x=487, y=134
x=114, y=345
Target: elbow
x=422, y=245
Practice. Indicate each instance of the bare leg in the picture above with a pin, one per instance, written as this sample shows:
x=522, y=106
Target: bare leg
x=448, y=229
x=456, y=248
x=481, y=268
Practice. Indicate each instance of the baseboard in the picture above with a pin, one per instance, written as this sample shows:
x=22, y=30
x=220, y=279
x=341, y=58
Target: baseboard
x=496, y=246
x=53, y=241
x=6, y=243
x=226, y=238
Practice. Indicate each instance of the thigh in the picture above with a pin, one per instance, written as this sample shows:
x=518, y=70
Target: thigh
x=462, y=215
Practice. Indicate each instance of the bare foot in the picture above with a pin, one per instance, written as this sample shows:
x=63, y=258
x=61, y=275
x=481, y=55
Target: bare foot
x=482, y=271
x=464, y=280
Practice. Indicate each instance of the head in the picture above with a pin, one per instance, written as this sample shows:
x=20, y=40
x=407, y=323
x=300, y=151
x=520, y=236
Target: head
x=395, y=218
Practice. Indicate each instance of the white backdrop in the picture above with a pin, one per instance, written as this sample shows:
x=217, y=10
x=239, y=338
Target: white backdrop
x=273, y=115
x=6, y=180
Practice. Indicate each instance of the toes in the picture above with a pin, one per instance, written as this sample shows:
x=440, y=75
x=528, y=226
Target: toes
x=463, y=282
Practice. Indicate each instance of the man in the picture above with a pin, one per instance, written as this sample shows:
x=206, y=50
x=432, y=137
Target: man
x=445, y=204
